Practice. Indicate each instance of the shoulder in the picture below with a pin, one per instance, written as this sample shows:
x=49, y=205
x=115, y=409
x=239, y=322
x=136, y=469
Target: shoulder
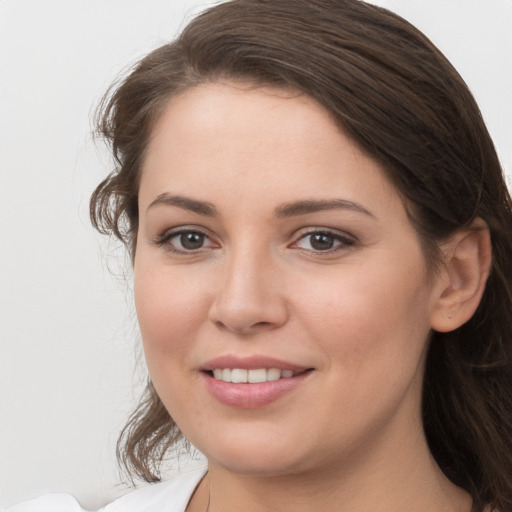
x=171, y=496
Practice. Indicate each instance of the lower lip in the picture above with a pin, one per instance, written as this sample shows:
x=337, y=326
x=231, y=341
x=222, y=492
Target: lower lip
x=251, y=396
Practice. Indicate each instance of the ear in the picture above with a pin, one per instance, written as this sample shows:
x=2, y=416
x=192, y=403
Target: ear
x=462, y=276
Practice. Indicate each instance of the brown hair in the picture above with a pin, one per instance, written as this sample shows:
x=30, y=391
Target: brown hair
x=399, y=98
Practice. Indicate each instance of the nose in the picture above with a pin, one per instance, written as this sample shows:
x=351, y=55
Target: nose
x=249, y=296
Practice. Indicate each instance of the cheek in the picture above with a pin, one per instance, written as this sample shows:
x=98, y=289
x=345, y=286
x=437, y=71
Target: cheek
x=372, y=329
x=169, y=310
x=369, y=316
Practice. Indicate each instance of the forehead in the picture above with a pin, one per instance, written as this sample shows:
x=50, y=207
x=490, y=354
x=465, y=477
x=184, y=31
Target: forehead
x=261, y=142
x=254, y=112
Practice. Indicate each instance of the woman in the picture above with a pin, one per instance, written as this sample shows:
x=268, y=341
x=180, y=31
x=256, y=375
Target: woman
x=319, y=229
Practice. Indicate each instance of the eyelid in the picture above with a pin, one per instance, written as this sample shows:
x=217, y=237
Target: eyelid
x=347, y=240
x=163, y=239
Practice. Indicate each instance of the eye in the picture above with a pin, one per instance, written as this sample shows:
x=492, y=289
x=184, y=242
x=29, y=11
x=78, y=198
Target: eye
x=324, y=241
x=184, y=241
x=189, y=241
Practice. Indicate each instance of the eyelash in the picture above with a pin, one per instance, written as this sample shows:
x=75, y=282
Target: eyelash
x=345, y=241
x=164, y=240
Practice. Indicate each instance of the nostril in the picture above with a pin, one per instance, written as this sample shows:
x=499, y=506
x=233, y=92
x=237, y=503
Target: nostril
x=242, y=328
x=262, y=324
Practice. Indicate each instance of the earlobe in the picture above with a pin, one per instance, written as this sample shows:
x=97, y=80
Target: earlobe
x=462, y=276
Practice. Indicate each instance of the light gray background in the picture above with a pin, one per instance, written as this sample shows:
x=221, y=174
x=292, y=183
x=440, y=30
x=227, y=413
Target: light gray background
x=68, y=337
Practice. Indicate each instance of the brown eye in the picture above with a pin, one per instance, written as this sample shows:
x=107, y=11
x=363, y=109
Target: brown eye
x=185, y=241
x=191, y=240
x=324, y=241
x=321, y=241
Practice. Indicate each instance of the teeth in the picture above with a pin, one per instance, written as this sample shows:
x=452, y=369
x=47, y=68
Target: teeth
x=255, y=376
x=239, y=375
x=273, y=374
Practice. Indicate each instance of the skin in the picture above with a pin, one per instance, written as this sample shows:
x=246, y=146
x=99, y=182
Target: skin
x=349, y=436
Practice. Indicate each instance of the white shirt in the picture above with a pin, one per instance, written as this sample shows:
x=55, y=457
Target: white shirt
x=170, y=496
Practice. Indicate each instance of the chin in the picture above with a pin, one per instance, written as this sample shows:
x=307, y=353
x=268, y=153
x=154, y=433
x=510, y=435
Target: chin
x=264, y=466
x=256, y=455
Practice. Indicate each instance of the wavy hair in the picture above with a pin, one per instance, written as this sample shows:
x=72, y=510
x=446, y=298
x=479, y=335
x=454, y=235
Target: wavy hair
x=399, y=98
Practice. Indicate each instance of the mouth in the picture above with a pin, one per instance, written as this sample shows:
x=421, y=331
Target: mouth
x=252, y=382
x=253, y=376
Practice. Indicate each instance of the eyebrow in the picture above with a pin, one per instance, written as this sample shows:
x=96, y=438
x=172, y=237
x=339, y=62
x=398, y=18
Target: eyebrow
x=286, y=210
x=312, y=206
x=186, y=203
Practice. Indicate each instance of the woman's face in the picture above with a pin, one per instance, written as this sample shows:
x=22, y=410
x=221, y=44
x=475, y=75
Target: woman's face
x=270, y=245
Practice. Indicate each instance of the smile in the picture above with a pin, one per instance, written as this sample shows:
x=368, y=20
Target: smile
x=254, y=388
x=256, y=376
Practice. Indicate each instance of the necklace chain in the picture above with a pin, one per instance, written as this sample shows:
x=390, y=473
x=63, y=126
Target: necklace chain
x=208, y=504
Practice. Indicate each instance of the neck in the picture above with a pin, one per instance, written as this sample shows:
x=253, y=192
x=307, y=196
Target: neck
x=410, y=480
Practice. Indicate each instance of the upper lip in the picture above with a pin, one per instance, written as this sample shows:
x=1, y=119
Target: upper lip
x=250, y=363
